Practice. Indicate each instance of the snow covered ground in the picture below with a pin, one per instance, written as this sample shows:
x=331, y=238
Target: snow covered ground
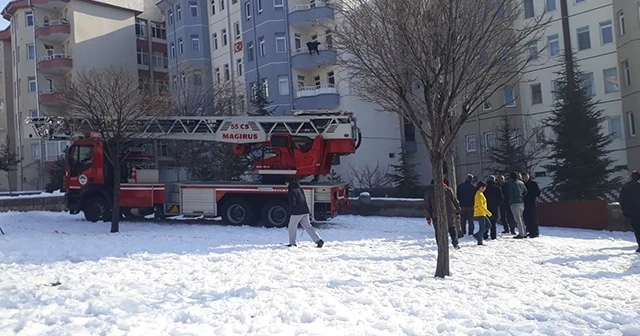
x=60, y=275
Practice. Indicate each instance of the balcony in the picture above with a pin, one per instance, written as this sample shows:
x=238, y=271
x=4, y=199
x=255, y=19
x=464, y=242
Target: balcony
x=55, y=31
x=304, y=60
x=50, y=97
x=310, y=14
x=55, y=63
x=49, y=4
x=317, y=97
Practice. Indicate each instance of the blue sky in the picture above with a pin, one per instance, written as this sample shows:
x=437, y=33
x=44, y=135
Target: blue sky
x=3, y=23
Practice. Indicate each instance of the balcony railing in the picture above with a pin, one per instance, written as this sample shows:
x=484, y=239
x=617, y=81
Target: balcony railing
x=55, y=56
x=304, y=50
x=310, y=91
x=308, y=6
x=61, y=22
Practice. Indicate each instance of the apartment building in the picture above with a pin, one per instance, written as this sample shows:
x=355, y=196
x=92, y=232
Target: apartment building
x=593, y=37
x=50, y=40
x=626, y=16
x=7, y=131
x=264, y=45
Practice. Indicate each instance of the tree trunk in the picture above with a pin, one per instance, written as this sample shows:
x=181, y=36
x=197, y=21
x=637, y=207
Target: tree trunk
x=442, y=265
x=115, y=208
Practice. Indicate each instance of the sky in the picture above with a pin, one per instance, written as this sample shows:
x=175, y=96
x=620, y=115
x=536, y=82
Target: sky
x=3, y=23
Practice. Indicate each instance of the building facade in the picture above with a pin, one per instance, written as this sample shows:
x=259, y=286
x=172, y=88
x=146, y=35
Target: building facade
x=51, y=40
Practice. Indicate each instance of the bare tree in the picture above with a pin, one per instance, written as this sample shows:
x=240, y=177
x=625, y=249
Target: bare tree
x=434, y=62
x=112, y=100
x=370, y=177
x=9, y=161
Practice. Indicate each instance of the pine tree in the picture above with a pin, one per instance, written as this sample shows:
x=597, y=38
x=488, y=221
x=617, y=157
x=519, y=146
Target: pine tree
x=9, y=160
x=260, y=102
x=513, y=152
x=405, y=176
x=580, y=164
x=57, y=174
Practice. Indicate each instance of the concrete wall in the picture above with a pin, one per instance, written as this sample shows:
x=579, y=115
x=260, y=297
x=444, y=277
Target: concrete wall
x=53, y=203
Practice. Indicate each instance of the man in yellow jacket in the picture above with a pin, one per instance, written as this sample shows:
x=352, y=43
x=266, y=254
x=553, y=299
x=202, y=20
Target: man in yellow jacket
x=480, y=211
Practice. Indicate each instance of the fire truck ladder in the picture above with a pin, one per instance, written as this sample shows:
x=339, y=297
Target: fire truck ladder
x=308, y=124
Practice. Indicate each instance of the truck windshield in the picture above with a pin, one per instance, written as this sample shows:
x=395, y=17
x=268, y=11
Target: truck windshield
x=80, y=159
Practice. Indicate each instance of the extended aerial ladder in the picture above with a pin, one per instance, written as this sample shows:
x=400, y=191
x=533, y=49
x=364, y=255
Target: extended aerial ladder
x=303, y=144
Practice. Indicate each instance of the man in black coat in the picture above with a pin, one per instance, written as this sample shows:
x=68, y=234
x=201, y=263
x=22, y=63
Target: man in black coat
x=466, y=193
x=530, y=214
x=494, y=197
x=630, y=203
x=506, y=217
x=299, y=212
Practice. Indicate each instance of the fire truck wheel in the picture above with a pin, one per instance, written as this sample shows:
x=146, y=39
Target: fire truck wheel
x=237, y=212
x=274, y=214
x=96, y=209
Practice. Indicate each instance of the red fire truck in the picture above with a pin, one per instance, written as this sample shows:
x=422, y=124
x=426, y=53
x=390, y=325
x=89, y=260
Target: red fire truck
x=301, y=145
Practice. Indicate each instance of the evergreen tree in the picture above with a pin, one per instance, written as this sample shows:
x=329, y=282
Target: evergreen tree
x=57, y=174
x=259, y=101
x=9, y=160
x=513, y=152
x=405, y=176
x=580, y=164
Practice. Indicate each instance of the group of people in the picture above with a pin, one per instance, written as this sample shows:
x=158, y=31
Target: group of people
x=511, y=202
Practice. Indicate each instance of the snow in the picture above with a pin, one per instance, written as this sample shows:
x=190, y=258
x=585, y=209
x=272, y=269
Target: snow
x=6, y=195
x=60, y=275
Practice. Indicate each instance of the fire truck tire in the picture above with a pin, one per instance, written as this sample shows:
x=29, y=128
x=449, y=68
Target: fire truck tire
x=274, y=214
x=237, y=211
x=96, y=209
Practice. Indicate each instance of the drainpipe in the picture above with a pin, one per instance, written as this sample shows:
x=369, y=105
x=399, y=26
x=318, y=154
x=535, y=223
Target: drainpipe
x=290, y=72
x=232, y=67
x=41, y=180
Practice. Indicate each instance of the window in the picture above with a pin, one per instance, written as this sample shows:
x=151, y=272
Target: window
x=606, y=32
x=28, y=17
x=33, y=87
x=237, y=34
x=331, y=79
x=528, y=9
x=278, y=3
x=265, y=87
x=221, y=5
x=533, y=51
x=172, y=50
x=587, y=81
x=283, y=85
x=551, y=5
x=580, y=1
x=141, y=28
x=261, y=49
x=180, y=46
x=214, y=39
x=509, y=97
x=159, y=60
x=615, y=127
x=193, y=9
x=301, y=83
x=35, y=151
x=259, y=3
x=34, y=113
x=554, y=45
x=489, y=141
x=31, y=51
x=227, y=72
x=178, y=13
x=584, y=38
x=213, y=7
x=174, y=83
x=233, y=2
x=626, y=73
x=610, y=77
x=622, y=28
x=143, y=56
x=632, y=124
x=197, y=77
x=556, y=89
x=470, y=141
x=195, y=43
x=281, y=44
x=170, y=14
x=486, y=104
x=250, y=51
x=247, y=8
x=239, y=66
x=298, y=42
x=217, y=74
x=536, y=94
x=224, y=37
x=158, y=30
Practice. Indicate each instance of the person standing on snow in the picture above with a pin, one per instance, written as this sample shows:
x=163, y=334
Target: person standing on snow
x=494, y=198
x=517, y=192
x=299, y=212
x=530, y=214
x=451, y=214
x=630, y=204
x=480, y=211
x=465, y=193
x=506, y=217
